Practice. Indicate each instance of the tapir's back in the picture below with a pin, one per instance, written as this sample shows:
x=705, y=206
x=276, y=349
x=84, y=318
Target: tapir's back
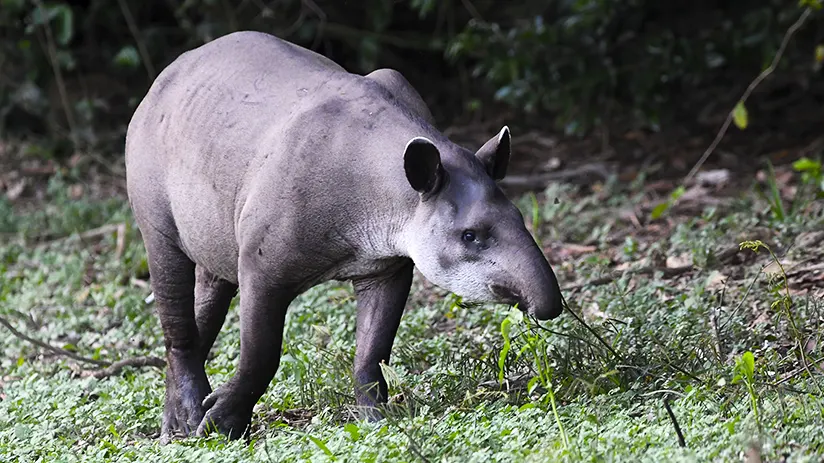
x=222, y=96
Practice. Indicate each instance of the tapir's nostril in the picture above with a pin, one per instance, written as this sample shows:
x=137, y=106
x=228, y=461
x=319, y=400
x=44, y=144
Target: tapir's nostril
x=505, y=295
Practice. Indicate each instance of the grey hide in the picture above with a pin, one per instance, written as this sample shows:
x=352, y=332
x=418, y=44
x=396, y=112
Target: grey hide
x=258, y=165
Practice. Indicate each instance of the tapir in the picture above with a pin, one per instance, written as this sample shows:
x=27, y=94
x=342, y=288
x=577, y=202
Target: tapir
x=260, y=168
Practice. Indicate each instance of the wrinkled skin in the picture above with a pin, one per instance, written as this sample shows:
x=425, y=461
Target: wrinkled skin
x=259, y=167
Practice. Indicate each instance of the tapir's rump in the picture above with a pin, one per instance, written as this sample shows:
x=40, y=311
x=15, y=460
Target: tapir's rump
x=258, y=166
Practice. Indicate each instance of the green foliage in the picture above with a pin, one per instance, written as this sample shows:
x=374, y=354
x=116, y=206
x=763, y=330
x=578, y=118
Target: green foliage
x=127, y=57
x=74, y=71
x=815, y=4
x=662, y=208
x=506, y=327
x=322, y=445
x=586, y=61
x=58, y=17
x=535, y=345
x=773, y=195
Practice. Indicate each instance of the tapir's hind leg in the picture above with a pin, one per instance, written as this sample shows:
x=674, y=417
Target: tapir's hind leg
x=213, y=296
x=173, y=282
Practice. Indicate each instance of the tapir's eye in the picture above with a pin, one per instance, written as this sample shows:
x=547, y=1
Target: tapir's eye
x=469, y=236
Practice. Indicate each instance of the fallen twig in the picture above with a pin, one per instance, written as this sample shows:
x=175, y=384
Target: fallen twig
x=56, y=350
x=512, y=383
x=616, y=274
x=99, y=232
x=109, y=369
x=540, y=180
x=797, y=372
x=667, y=271
x=116, y=367
x=45, y=171
x=139, y=283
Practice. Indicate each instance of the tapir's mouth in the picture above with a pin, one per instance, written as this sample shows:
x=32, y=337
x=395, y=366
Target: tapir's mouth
x=507, y=296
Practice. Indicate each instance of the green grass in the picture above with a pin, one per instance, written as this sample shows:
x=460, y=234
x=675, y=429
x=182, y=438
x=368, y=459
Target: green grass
x=570, y=392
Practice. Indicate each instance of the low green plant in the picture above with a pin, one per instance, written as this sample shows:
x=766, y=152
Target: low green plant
x=535, y=345
x=812, y=174
x=773, y=196
x=663, y=207
x=810, y=188
x=745, y=372
x=783, y=304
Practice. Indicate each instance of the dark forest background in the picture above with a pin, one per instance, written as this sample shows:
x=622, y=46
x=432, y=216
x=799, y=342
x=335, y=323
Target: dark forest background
x=663, y=73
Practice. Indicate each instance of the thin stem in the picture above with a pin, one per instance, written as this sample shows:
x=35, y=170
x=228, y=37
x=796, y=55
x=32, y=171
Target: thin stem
x=787, y=304
x=141, y=47
x=757, y=81
x=581, y=321
x=58, y=76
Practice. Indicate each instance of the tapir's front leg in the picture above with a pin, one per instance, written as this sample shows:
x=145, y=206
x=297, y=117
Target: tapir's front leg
x=380, y=305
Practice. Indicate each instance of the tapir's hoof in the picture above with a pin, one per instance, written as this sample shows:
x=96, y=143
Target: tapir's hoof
x=168, y=435
x=183, y=411
x=173, y=428
x=224, y=416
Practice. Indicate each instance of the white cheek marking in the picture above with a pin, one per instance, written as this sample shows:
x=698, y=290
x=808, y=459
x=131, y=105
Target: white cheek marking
x=468, y=283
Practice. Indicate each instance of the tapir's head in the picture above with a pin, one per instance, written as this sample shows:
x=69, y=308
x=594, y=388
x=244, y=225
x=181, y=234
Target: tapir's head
x=467, y=237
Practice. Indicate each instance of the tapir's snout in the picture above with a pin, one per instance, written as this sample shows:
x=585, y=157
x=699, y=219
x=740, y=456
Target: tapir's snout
x=546, y=304
x=543, y=304
x=535, y=288
x=543, y=301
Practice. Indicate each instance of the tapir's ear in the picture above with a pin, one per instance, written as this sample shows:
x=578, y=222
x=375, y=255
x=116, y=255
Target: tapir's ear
x=494, y=155
x=422, y=163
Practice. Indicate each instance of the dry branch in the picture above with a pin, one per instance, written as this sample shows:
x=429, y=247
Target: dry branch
x=541, y=180
x=141, y=47
x=56, y=350
x=110, y=369
x=98, y=232
x=667, y=271
x=51, y=49
x=116, y=367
